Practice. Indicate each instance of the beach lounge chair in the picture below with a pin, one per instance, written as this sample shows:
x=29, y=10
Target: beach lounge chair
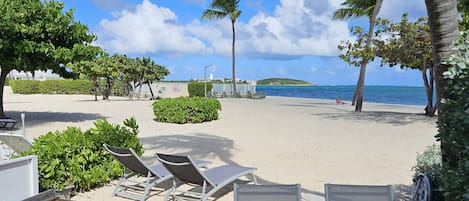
x=211, y=180
x=7, y=123
x=156, y=175
x=16, y=143
x=341, y=192
x=275, y=192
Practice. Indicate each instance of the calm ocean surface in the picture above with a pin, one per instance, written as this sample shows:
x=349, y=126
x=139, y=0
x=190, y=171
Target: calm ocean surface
x=378, y=94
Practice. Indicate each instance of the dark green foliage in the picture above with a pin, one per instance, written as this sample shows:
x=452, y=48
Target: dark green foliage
x=25, y=86
x=52, y=86
x=74, y=157
x=7, y=81
x=198, y=89
x=186, y=110
x=453, y=124
x=429, y=163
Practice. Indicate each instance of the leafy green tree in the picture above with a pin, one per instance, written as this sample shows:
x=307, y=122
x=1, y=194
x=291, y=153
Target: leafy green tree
x=37, y=35
x=444, y=30
x=359, y=8
x=220, y=9
x=87, y=65
x=408, y=45
x=141, y=71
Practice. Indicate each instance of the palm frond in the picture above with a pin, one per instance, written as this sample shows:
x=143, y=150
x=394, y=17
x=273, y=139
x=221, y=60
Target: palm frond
x=213, y=14
x=354, y=8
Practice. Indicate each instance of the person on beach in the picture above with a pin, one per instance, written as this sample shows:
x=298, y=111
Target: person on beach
x=339, y=101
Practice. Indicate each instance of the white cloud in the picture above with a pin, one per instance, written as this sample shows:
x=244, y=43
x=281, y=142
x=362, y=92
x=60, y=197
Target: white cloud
x=148, y=29
x=296, y=28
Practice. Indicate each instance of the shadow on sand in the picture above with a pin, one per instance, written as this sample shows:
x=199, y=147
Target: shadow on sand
x=393, y=118
x=36, y=118
x=200, y=146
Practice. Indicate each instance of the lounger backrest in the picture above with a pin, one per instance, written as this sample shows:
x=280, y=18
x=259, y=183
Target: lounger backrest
x=275, y=192
x=17, y=143
x=183, y=168
x=130, y=160
x=340, y=192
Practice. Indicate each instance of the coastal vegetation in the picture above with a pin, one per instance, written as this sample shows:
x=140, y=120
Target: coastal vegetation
x=132, y=73
x=453, y=124
x=364, y=54
x=186, y=110
x=282, y=81
x=199, y=89
x=67, y=86
x=77, y=158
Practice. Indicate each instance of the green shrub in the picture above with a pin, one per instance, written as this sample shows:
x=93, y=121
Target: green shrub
x=52, y=86
x=453, y=124
x=7, y=81
x=25, y=86
x=429, y=163
x=198, y=89
x=186, y=110
x=74, y=157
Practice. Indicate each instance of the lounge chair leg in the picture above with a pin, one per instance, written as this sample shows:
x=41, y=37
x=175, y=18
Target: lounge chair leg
x=147, y=187
x=254, y=179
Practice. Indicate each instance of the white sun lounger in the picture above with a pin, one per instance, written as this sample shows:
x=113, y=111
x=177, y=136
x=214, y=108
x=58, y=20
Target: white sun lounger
x=211, y=180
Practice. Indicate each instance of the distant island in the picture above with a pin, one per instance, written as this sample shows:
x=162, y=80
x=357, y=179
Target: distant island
x=283, y=81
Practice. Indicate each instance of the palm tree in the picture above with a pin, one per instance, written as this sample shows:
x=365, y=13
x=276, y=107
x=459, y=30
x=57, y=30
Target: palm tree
x=218, y=10
x=359, y=8
x=443, y=21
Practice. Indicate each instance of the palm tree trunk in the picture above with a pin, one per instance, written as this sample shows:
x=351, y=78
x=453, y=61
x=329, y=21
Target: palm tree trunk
x=361, y=79
x=443, y=31
x=3, y=75
x=233, y=59
x=443, y=22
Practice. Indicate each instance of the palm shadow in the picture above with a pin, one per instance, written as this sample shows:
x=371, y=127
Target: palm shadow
x=393, y=118
x=201, y=146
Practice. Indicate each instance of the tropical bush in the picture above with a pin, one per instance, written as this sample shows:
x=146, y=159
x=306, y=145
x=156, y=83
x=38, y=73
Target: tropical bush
x=52, y=86
x=66, y=87
x=186, y=110
x=74, y=157
x=453, y=124
x=198, y=88
x=429, y=163
x=25, y=86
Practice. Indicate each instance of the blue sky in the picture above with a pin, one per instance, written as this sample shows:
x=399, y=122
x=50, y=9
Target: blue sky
x=275, y=38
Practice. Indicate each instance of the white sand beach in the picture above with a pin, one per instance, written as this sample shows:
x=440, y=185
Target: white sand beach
x=289, y=140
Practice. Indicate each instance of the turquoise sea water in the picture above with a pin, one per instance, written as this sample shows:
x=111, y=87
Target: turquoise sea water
x=378, y=94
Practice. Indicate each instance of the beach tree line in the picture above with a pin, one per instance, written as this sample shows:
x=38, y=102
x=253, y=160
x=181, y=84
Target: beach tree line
x=104, y=69
x=403, y=44
x=39, y=35
x=449, y=76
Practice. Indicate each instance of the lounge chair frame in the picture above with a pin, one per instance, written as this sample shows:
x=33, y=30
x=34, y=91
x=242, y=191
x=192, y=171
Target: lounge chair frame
x=8, y=123
x=284, y=192
x=134, y=166
x=337, y=192
x=183, y=169
x=16, y=143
